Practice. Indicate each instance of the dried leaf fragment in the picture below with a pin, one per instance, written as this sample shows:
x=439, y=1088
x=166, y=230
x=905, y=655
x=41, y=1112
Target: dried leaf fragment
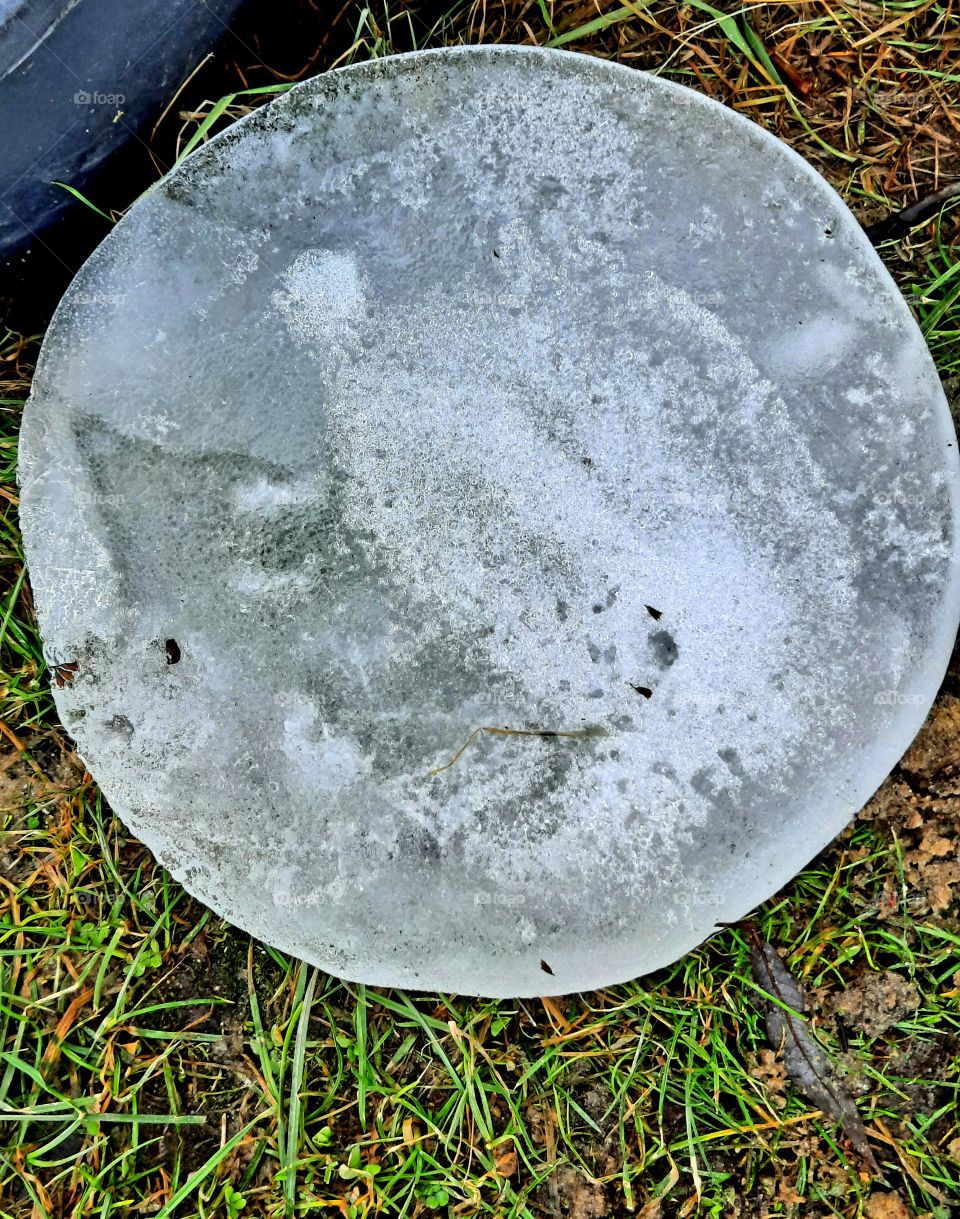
x=806, y=1062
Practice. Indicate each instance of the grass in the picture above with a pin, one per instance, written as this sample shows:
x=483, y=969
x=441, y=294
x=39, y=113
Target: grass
x=154, y=1061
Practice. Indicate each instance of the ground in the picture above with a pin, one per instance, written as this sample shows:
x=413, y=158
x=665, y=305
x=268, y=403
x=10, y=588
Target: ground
x=154, y=1061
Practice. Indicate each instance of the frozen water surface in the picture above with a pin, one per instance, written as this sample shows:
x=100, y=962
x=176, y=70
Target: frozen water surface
x=490, y=388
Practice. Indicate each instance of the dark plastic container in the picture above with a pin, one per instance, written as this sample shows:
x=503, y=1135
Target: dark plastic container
x=78, y=80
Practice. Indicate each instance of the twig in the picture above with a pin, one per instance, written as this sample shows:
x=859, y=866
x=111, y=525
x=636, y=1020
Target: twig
x=579, y=734
x=899, y=224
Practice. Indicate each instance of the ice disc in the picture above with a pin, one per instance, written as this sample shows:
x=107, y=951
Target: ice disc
x=502, y=516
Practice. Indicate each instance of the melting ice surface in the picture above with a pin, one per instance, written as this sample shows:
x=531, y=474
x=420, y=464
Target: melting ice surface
x=550, y=497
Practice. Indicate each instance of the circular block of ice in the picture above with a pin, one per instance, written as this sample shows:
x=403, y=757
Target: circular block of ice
x=502, y=516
